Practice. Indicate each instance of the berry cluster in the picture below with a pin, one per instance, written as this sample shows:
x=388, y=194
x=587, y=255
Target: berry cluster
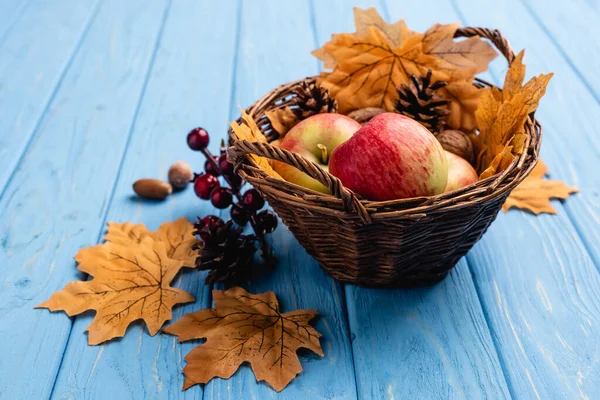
x=244, y=207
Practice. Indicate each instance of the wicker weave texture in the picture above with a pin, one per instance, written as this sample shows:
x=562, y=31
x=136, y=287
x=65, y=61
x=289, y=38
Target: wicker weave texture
x=398, y=243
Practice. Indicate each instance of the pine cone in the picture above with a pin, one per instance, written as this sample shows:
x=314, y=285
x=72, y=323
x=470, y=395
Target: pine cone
x=312, y=99
x=420, y=102
x=224, y=251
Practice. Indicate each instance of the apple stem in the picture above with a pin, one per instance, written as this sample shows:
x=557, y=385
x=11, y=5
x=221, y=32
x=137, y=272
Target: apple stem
x=324, y=153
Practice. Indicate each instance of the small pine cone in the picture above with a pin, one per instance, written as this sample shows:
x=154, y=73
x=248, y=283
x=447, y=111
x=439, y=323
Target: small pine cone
x=312, y=99
x=225, y=252
x=457, y=142
x=419, y=101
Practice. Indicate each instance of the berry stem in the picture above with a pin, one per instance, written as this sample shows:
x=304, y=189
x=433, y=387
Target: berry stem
x=266, y=249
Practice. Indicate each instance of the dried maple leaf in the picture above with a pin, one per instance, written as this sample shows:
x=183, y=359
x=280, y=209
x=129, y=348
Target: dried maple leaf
x=369, y=65
x=246, y=328
x=464, y=97
x=501, y=117
x=177, y=235
x=130, y=282
x=534, y=193
x=282, y=120
x=248, y=130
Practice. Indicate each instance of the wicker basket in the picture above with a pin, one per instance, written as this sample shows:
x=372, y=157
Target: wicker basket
x=399, y=243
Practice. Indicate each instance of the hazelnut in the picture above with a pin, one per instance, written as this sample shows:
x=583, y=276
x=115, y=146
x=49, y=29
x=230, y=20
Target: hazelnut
x=180, y=174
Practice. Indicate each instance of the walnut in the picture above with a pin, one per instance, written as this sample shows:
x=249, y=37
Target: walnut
x=364, y=115
x=457, y=142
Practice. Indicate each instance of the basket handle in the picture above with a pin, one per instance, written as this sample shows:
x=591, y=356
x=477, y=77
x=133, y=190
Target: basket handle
x=240, y=148
x=493, y=35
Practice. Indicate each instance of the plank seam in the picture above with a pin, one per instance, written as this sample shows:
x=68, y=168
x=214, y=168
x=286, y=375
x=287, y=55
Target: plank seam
x=232, y=113
x=509, y=385
x=592, y=92
x=562, y=206
x=124, y=155
x=341, y=287
x=561, y=51
x=59, y=82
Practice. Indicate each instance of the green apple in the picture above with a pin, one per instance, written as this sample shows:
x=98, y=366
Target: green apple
x=315, y=138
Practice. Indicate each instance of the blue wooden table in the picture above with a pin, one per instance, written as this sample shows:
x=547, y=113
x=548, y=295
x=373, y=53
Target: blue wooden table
x=96, y=94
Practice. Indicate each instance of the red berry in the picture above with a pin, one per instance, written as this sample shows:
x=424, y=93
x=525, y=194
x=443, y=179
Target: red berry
x=266, y=221
x=235, y=180
x=225, y=166
x=221, y=197
x=210, y=168
x=252, y=200
x=197, y=139
x=204, y=185
x=239, y=215
x=209, y=221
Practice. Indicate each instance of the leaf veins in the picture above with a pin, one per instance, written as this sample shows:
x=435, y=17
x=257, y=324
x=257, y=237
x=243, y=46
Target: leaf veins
x=246, y=328
x=130, y=282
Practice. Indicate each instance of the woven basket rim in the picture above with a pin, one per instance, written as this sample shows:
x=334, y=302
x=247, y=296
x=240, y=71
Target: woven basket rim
x=343, y=201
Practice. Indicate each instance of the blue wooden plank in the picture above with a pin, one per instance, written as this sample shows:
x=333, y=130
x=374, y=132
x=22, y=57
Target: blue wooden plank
x=275, y=44
x=58, y=197
x=33, y=59
x=574, y=29
x=425, y=343
x=190, y=84
x=10, y=12
x=538, y=283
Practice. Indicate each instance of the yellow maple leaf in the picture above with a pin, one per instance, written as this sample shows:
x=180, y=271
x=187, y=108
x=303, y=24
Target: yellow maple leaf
x=282, y=120
x=244, y=327
x=248, y=130
x=534, y=193
x=130, y=282
x=464, y=98
x=501, y=116
x=369, y=65
x=177, y=235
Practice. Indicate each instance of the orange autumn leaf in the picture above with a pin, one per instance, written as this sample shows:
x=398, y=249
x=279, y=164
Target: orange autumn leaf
x=534, y=193
x=177, y=235
x=464, y=98
x=282, y=120
x=130, y=282
x=369, y=65
x=244, y=327
x=248, y=130
x=501, y=117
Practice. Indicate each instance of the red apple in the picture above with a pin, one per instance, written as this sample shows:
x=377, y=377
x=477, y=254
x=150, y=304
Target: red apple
x=391, y=157
x=314, y=139
x=460, y=172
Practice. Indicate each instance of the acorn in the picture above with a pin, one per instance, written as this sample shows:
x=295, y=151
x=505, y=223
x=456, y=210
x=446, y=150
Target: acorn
x=152, y=189
x=457, y=142
x=180, y=174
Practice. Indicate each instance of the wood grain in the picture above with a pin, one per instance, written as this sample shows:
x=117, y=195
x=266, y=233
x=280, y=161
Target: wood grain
x=541, y=296
x=275, y=44
x=34, y=55
x=94, y=95
x=568, y=26
x=57, y=199
x=424, y=343
x=182, y=93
